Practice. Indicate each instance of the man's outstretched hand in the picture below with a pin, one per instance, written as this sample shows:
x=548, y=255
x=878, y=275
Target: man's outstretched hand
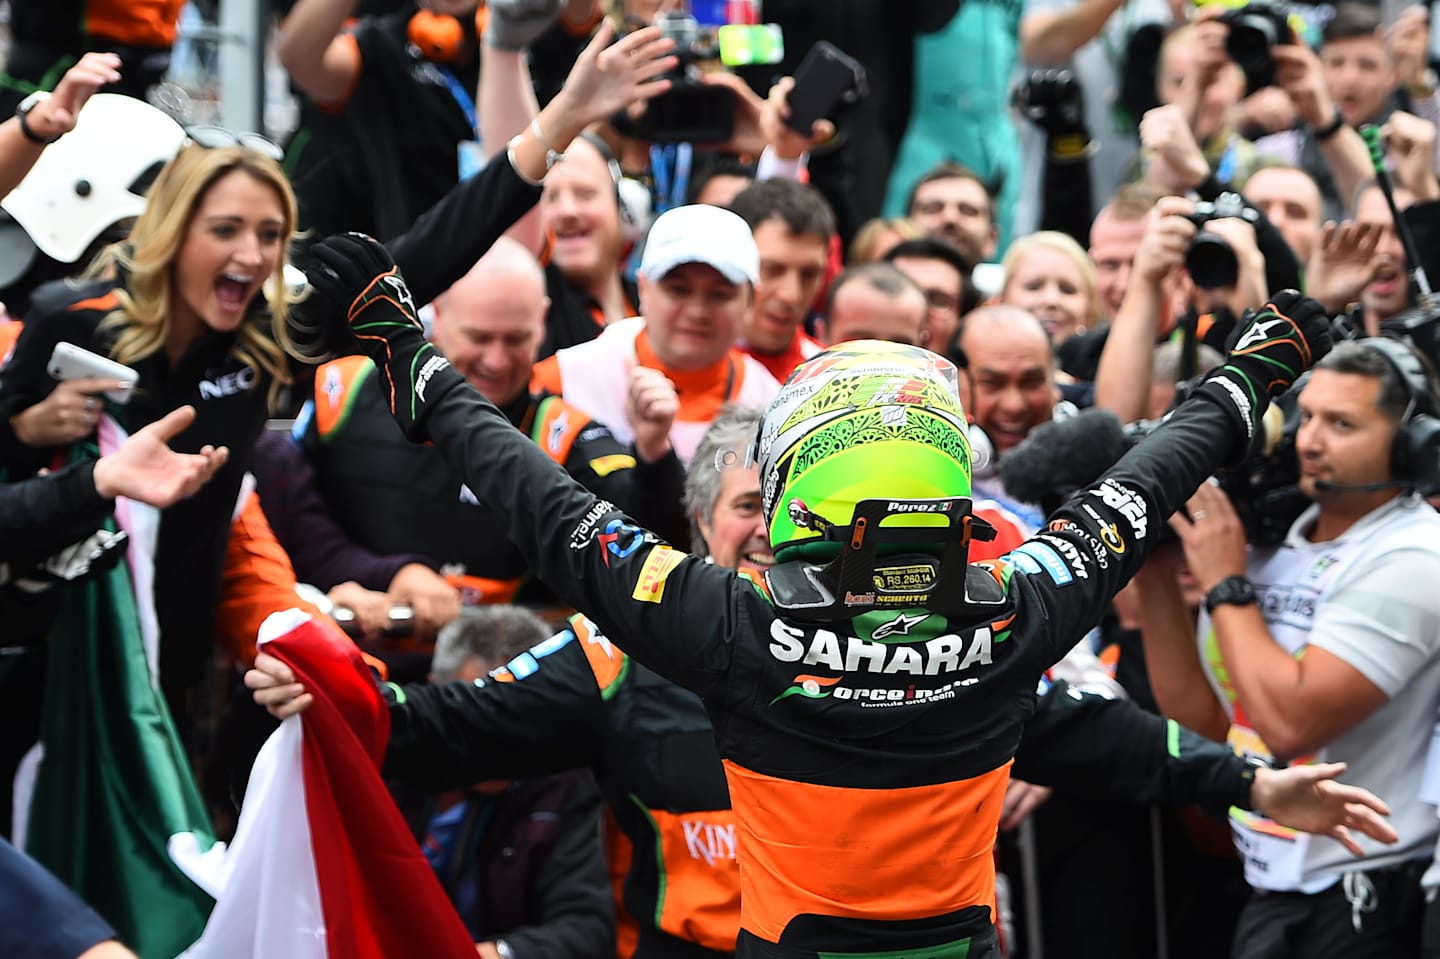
x=1281, y=341
x=1308, y=798
x=358, y=299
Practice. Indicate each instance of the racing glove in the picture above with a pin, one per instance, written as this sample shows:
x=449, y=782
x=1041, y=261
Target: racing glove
x=1281, y=341
x=1054, y=102
x=515, y=24
x=359, y=295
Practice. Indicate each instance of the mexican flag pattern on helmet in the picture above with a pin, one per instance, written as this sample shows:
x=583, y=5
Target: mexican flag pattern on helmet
x=863, y=420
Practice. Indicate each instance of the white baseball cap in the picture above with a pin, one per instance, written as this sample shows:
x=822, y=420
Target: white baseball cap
x=700, y=233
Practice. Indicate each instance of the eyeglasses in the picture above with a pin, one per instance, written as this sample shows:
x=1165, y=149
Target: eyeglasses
x=942, y=301
x=211, y=137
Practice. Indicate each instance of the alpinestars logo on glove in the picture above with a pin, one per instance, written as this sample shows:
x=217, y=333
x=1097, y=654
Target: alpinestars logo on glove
x=402, y=292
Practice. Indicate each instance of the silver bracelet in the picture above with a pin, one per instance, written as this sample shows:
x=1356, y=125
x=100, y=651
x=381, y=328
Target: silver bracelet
x=515, y=164
x=552, y=156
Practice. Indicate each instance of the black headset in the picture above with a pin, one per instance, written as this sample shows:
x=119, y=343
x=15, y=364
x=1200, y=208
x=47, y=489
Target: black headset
x=631, y=227
x=1415, y=452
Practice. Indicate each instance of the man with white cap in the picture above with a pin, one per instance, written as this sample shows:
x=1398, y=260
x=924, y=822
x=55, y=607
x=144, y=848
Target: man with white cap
x=696, y=281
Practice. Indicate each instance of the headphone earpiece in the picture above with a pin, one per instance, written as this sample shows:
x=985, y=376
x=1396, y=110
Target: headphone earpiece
x=1415, y=451
x=632, y=198
x=438, y=36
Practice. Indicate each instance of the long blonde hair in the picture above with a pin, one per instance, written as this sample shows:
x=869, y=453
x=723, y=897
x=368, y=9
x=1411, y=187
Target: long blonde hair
x=147, y=259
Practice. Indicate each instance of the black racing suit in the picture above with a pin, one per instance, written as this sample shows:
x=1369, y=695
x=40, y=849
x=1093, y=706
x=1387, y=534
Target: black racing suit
x=577, y=700
x=866, y=776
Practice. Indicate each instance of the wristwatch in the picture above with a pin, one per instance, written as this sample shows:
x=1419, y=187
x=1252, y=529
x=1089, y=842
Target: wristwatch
x=1321, y=134
x=1237, y=590
x=22, y=112
x=503, y=950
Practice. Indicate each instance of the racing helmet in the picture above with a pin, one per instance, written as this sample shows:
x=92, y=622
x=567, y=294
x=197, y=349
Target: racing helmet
x=864, y=420
x=94, y=176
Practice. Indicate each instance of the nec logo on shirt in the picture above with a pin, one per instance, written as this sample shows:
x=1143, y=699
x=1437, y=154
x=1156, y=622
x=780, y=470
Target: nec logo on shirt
x=227, y=384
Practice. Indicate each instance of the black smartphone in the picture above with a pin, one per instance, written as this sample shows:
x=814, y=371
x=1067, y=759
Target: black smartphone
x=825, y=79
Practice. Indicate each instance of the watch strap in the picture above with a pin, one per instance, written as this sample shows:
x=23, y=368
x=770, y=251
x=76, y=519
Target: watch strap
x=22, y=113
x=1232, y=590
x=1324, y=133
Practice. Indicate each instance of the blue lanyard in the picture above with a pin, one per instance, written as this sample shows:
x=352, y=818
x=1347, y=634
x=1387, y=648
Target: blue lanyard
x=1225, y=170
x=676, y=156
x=462, y=97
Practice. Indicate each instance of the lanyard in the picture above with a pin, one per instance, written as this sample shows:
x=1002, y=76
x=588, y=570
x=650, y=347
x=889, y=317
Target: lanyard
x=663, y=159
x=462, y=96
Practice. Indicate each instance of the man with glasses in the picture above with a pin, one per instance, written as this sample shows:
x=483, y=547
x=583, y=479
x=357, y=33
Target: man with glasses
x=953, y=202
x=943, y=272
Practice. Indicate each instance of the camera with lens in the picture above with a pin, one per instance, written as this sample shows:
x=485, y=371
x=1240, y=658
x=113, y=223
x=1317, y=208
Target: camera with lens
x=1210, y=260
x=1254, y=29
x=690, y=111
x=1418, y=327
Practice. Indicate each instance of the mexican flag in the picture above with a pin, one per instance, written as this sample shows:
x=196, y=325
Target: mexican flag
x=323, y=865
x=113, y=782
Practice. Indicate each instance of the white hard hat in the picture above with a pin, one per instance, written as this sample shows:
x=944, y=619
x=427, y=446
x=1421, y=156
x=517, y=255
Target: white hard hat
x=86, y=181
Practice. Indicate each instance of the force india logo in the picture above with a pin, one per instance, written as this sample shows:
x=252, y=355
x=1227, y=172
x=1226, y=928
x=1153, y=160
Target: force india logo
x=824, y=687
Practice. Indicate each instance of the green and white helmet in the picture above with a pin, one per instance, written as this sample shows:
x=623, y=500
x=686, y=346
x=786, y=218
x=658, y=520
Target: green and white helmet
x=867, y=419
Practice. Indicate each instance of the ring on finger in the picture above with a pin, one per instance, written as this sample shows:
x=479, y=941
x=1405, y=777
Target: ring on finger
x=89, y=404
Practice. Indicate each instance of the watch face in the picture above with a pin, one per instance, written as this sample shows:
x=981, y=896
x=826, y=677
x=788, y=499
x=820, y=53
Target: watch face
x=1236, y=590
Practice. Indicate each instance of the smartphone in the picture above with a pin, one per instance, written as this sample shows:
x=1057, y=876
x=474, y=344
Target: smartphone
x=825, y=79
x=70, y=362
x=742, y=45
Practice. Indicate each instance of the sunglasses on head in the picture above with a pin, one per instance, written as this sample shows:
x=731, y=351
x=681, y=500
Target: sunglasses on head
x=212, y=137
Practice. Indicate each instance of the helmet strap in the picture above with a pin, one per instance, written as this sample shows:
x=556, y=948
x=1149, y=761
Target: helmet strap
x=858, y=581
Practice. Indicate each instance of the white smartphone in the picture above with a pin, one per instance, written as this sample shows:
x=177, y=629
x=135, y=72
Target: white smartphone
x=70, y=362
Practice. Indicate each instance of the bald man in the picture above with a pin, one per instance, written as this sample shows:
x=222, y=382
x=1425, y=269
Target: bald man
x=392, y=499
x=1007, y=382
x=874, y=301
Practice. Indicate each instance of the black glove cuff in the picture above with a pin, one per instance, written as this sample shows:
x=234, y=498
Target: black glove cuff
x=1234, y=391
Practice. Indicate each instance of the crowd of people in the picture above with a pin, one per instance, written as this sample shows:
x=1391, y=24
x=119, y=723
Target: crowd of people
x=977, y=517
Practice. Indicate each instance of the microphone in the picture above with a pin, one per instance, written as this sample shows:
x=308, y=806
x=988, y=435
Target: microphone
x=1063, y=456
x=1328, y=487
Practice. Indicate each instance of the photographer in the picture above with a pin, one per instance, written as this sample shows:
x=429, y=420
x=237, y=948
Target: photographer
x=1162, y=297
x=1321, y=649
x=1333, y=93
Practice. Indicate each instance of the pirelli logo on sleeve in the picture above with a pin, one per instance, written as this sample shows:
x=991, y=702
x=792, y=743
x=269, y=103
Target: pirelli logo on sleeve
x=650, y=587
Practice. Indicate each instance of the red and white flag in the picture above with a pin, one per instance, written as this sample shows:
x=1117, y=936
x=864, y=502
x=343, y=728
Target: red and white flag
x=323, y=866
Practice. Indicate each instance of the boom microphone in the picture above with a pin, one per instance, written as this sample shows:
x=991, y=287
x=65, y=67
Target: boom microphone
x=1326, y=487
x=1063, y=456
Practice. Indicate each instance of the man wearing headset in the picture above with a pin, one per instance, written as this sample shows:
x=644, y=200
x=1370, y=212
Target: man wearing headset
x=1323, y=649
